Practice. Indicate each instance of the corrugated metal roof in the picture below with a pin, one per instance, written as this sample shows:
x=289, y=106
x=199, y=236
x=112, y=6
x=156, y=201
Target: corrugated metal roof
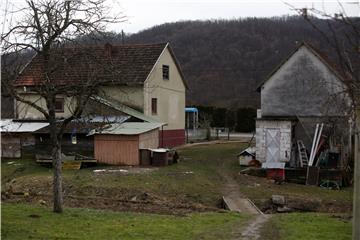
x=10, y=126
x=103, y=119
x=125, y=109
x=86, y=124
x=249, y=150
x=127, y=128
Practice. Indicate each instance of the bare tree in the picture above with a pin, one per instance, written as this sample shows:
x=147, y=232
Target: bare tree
x=343, y=38
x=342, y=34
x=50, y=29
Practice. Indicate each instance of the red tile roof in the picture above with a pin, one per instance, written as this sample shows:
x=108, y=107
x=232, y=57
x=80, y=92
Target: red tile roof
x=120, y=64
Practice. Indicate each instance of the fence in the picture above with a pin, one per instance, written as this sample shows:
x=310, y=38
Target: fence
x=200, y=134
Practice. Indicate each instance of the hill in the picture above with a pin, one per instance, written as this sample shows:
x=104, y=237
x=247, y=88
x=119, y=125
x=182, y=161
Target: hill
x=224, y=60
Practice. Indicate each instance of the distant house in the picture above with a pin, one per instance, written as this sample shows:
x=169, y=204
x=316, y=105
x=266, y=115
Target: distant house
x=148, y=80
x=304, y=90
x=146, y=86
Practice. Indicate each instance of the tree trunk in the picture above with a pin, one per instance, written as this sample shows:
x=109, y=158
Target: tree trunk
x=56, y=156
x=57, y=181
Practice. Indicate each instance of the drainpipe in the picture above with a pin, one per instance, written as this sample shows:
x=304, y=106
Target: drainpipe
x=162, y=136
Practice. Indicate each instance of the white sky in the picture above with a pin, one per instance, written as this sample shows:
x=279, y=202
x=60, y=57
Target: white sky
x=142, y=14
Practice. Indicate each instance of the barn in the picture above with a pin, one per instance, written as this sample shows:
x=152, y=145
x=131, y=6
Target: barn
x=120, y=144
x=304, y=92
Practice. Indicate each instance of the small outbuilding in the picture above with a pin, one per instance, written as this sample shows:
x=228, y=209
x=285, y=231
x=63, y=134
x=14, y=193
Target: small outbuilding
x=246, y=156
x=120, y=144
x=17, y=136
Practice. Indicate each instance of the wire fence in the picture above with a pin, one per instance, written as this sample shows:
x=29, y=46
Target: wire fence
x=201, y=134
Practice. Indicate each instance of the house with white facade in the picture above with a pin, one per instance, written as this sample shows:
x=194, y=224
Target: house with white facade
x=146, y=78
x=136, y=83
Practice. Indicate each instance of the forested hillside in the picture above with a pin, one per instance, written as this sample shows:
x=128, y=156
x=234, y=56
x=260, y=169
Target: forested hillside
x=225, y=60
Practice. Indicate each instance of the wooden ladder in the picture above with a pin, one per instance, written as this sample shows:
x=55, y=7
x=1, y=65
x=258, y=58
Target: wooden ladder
x=304, y=161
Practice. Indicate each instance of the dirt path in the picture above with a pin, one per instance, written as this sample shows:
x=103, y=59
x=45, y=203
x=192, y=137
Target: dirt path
x=238, y=202
x=253, y=229
x=235, y=200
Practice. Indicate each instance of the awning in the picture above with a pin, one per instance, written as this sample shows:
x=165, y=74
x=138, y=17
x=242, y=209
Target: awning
x=191, y=109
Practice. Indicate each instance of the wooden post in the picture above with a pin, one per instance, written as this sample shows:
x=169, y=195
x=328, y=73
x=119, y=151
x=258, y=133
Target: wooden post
x=356, y=197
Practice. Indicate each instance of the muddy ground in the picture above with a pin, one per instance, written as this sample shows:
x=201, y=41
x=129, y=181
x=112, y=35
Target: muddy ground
x=38, y=190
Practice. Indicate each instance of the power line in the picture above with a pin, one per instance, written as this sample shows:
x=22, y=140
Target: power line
x=5, y=15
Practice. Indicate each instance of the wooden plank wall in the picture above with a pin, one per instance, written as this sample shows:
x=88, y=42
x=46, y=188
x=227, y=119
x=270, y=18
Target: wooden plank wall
x=117, y=149
x=10, y=146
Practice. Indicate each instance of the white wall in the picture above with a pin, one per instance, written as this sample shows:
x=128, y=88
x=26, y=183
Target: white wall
x=25, y=111
x=170, y=94
x=304, y=86
x=285, y=139
x=132, y=96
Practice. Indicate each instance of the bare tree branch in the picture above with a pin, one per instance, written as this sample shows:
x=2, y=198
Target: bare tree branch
x=47, y=29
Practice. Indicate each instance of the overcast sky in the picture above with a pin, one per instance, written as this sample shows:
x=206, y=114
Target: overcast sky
x=145, y=13
x=142, y=14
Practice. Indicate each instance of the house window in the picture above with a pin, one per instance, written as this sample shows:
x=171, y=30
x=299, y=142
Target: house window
x=59, y=105
x=154, y=106
x=165, y=71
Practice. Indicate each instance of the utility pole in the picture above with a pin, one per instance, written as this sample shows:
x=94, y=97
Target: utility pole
x=122, y=37
x=356, y=197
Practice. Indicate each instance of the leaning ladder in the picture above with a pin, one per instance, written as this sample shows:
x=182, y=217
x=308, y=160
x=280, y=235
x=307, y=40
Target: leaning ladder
x=304, y=161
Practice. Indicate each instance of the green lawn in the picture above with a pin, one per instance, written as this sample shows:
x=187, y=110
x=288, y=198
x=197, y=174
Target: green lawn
x=21, y=221
x=304, y=226
x=196, y=179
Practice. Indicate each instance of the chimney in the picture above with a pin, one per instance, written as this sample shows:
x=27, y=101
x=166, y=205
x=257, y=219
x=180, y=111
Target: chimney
x=108, y=49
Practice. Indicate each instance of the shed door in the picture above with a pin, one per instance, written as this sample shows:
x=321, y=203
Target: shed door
x=272, y=145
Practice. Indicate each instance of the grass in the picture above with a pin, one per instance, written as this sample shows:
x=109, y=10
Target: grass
x=304, y=226
x=261, y=189
x=195, y=179
x=13, y=168
x=198, y=178
x=22, y=221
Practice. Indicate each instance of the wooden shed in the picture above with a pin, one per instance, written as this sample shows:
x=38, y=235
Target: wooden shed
x=120, y=144
x=16, y=136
